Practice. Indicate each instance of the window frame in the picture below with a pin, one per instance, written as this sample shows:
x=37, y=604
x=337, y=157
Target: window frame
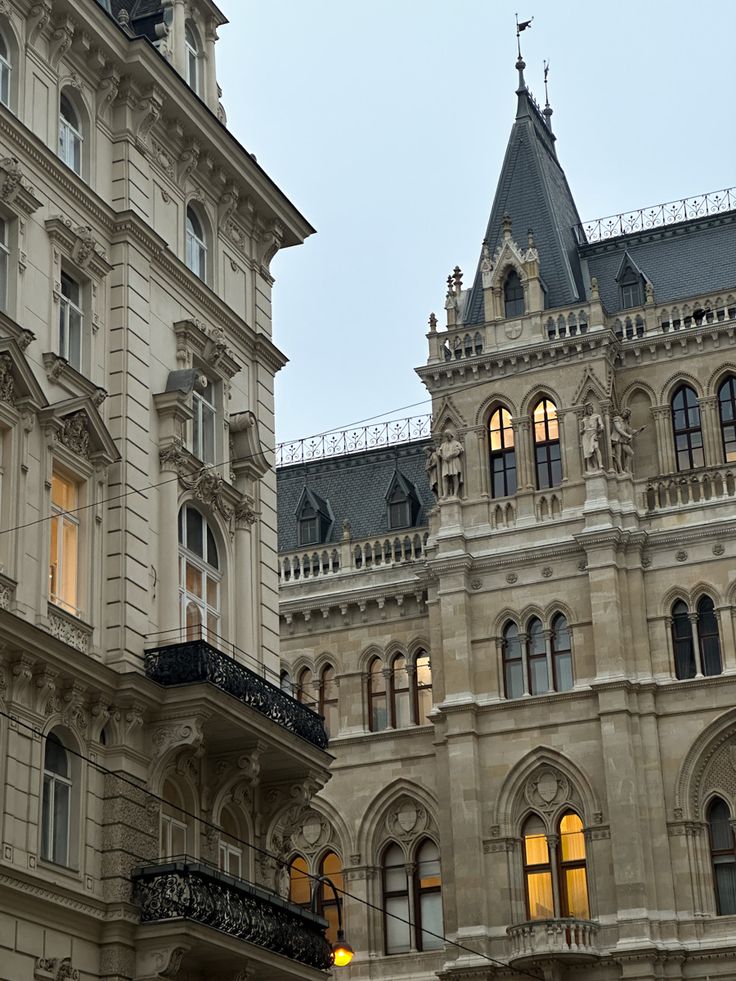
x=71, y=135
x=730, y=423
x=6, y=72
x=71, y=314
x=687, y=431
x=401, y=695
x=196, y=254
x=502, y=458
x=204, y=422
x=536, y=868
x=561, y=654
x=376, y=696
x=327, y=901
x=402, y=895
x=50, y=779
x=63, y=521
x=193, y=59
x=511, y=662
x=728, y=855
x=513, y=305
x=536, y=656
x=421, y=891
x=4, y=263
x=571, y=865
x=548, y=448
x=630, y=287
x=423, y=688
x=329, y=707
x=210, y=574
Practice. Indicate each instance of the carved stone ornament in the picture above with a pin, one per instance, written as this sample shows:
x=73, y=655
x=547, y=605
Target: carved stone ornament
x=719, y=549
x=55, y=969
x=7, y=382
x=74, y=434
x=681, y=556
x=511, y=578
x=64, y=628
x=407, y=818
x=546, y=788
x=208, y=487
x=547, y=571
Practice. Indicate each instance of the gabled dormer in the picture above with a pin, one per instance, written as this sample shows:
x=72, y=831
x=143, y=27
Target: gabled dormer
x=313, y=519
x=632, y=284
x=402, y=503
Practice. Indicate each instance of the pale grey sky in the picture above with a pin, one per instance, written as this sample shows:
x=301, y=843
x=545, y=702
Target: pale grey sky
x=386, y=121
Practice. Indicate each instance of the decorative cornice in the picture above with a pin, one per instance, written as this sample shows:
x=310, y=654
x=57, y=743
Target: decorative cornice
x=15, y=190
x=79, y=243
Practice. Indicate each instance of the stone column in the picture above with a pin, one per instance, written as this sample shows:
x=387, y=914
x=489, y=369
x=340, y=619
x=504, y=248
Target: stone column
x=693, y=618
x=553, y=844
x=169, y=620
x=483, y=461
x=665, y=449
x=211, y=94
x=728, y=637
x=242, y=621
x=710, y=425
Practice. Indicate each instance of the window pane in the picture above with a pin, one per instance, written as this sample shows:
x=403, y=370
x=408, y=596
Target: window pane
x=403, y=710
x=61, y=823
x=208, y=435
x=54, y=558
x=194, y=580
x=424, y=698
x=195, y=542
x=514, y=679
x=539, y=892
x=572, y=839
x=725, y=874
x=69, y=561
x=563, y=672
x=299, y=885
x=212, y=557
x=212, y=591
x=395, y=870
x=397, y=932
x=536, y=850
x=63, y=493
x=46, y=817
x=539, y=682
x=378, y=682
x=431, y=913
x=56, y=759
x=576, y=892
x=379, y=713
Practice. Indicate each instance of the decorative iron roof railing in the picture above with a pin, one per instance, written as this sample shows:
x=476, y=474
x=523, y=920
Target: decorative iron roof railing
x=342, y=442
x=194, y=661
x=656, y=216
x=195, y=891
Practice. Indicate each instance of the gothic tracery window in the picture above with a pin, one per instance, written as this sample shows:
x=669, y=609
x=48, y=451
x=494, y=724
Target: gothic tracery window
x=547, y=444
x=723, y=856
x=555, y=869
x=698, y=652
x=300, y=891
x=538, y=660
x=428, y=893
x=687, y=429
x=328, y=705
x=330, y=866
x=727, y=413
x=503, y=454
x=513, y=295
x=377, y=696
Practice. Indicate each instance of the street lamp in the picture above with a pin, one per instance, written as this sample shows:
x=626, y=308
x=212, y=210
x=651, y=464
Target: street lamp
x=342, y=952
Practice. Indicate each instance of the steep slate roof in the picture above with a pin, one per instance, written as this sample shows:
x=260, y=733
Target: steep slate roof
x=355, y=487
x=533, y=190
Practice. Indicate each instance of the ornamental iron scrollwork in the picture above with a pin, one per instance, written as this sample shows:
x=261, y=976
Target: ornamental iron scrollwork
x=191, y=662
x=193, y=891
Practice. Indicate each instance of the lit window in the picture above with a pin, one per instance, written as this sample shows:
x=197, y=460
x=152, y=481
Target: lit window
x=727, y=412
x=396, y=901
x=693, y=660
x=400, y=693
x=70, y=135
x=4, y=263
x=192, y=60
x=328, y=706
x=547, y=445
x=173, y=823
x=428, y=890
x=503, y=454
x=71, y=320
x=424, y=688
x=377, y=696
x=686, y=429
x=64, y=547
x=4, y=73
x=331, y=866
x=230, y=853
x=300, y=891
x=573, y=877
x=723, y=856
x=196, y=245
x=199, y=576
x=571, y=889
x=513, y=295
x=56, y=803
x=203, y=423
x=537, y=871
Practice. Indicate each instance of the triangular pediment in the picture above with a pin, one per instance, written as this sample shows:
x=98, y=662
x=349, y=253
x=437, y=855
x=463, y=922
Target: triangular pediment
x=18, y=384
x=76, y=424
x=400, y=487
x=590, y=387
x=628, y=265
x=447, y=416
x=311, y=503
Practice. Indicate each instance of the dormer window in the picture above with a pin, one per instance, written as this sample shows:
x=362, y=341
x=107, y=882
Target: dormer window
x=630, y=290
x=313, y=519
x=309, y=526
x=402, y=502
x=513, y=295
x=193, y=55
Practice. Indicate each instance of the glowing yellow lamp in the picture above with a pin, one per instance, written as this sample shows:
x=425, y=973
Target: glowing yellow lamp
x=342, y=952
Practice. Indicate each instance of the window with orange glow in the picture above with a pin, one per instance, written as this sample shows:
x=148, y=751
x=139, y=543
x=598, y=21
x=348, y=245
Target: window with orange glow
x=330, y=866
x=573, y=877
x=547, y=445
x=299, y=883
x=428, y=893
x=503, y=454
x=537, y=871
x=64, y=544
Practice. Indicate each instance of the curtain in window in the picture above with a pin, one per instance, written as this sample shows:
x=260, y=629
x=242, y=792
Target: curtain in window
x=573, y=879
x=537, y=871
x=429, y=895
x=396, y=901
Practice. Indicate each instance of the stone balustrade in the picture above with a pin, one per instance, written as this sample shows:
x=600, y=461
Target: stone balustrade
x=707, y=484
x=352, y=556
x=565, y=939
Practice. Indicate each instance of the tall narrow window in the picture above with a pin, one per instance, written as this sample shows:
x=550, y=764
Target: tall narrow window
x=328, y=704
x=285, y=682
x=71, y=320
x=196, y=245
x=199, y=577
x=400, y=696
x=630, y=284
x=727, y=411
x=537, y=658
x=305, y=688
x=561, y=654
x=4, y=263
x=331, y=866
x=513, y=664
x=377, y=696
x=723, y=856
x=193, y=56
x=64, y=544
x=428, y=891
x=682, y=641
x=686, y=429
x=173, y=823
x=300, y=891
x=203, y=423
x=547, y=445
x=537, y=871
x=573, y=877
x=70, y=135
x=503, y=454
x=4, y=73
x=309, y=525
x=709, y=640
x=231, y=852
x=396, y=901
x=513, y=295
x=424, y=688
x=56, y=803
x=399, y=509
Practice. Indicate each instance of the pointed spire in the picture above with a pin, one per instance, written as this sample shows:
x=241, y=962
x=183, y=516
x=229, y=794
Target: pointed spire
x=547, y=106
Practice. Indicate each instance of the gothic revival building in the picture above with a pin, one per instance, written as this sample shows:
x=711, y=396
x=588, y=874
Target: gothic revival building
x=529, y=684
x=148, y=753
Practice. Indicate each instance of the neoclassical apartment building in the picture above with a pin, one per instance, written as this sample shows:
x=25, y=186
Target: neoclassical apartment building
x=148, y=753
x=517, y=617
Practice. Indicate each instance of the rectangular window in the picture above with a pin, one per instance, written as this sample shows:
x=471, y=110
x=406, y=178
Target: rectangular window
x=4, y=264
x=398, y=514
x=70, y=145
x=64, y=548
x=173, y=837
x=231, y=859
x=71, y=320
x=309, y=531
x=203, y=424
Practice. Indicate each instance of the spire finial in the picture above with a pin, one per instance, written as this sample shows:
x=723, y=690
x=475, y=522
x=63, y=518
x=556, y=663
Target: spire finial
x=547, y=106
x=520, y=63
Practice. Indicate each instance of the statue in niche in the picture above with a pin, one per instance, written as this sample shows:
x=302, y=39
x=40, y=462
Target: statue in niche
x=591, y=428
x=450, y=454
x=622, y=436
x=433, y=470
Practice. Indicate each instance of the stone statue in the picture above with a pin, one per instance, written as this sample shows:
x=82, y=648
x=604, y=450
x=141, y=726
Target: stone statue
x=621, y=439
x=450, y=454
x=433, y=470
x=591, y=428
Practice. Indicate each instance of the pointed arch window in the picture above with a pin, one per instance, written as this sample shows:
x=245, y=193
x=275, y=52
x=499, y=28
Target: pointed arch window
x=196, y=257
x=377, y=696
x=305, y=687
x=573, y=872
x=686, y=429
x=200, y=576
x=700, y=654
x=428, y=896
x=503, y=454
x=56, y=802
x=561, y=654
x=397, y=930
x=400, y=693
x=300, y=891
x=547, y=445
x=5, y=68
x=727, y=413
x=331, y=866
x=328, y=706
x=555, y=870
x=723, y=856
x=513, y=663
x=709, y=641
x=424, y=702
x=71, y=137
x=285, y=682
x=682, y=641
x=537, y=658
x=537, y=871
x=513, y=295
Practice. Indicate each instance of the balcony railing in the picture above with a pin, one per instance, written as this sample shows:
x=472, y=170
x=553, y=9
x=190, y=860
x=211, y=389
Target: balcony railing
x=352, y=556
x=195, y=891
x=353, y=440
x=563, y=939
x=194, y=661
x=706, y=485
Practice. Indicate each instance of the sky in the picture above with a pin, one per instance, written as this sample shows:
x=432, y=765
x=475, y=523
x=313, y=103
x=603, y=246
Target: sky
x=385, y=122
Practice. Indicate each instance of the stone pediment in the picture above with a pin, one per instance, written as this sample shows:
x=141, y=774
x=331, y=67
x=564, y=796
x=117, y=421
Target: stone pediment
x=79, y=244
x=18, y=385
x=76, y=425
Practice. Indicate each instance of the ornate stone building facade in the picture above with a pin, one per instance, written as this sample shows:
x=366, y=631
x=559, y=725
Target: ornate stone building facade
x=148, y=756
x=566, y=606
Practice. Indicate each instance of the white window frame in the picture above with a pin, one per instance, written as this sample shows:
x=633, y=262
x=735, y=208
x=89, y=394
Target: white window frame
x=196, y=254
x=5, y=73
x=192, y=56
x=71, y=139
x=227, y=852
x=71, y=320
x=48, y=814
x=204, y=424
x=169, y=825
x=61, y=519
x=209, y=575
x=4, y=263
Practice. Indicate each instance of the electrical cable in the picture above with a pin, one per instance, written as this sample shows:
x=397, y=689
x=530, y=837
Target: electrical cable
x=280, y=862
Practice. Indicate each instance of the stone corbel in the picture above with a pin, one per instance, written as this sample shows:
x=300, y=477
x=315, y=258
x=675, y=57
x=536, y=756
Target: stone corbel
x=38, y=19
x=79, y=243
x=162, y=961
x=269, y=242
x=148, y=112
x=14, y=189
x=227, y=206
x=61, y=39
x=188, y=160
x=180, y=735
x=107, y=91
x=55, y=969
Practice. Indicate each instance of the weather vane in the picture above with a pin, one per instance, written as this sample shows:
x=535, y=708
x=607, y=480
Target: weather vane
x=546, y=73
x=519, y=28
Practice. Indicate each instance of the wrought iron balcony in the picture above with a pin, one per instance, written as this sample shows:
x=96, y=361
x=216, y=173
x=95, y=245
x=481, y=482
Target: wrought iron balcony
x=196, y=891
x=193, y=661
x=564, y=939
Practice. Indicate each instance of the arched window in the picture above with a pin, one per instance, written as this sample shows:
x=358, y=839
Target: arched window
x=424, y=688
x=561, y=654
x=5, y=68
x=537, y=658
x=300, y=891
x=682, y=641
x=193, y=55
x=196, y=245
x=573, y=876
x=285, y=682
x=56, y=803
x=400, y=694
x=513, y=664
x=200, y=576
x=173, y=822
x=704, y=657
x=709, y=640
x=537, y=871
x=723, y=856
x=513, y=295
x=377, y=696
x=547, y=445
x=70, y=135
x=727, y=411
x=686, y=429
x=328, y=699
x=428, y=893
x=331, y=866
x=305, y=687
x=4, y=262
x=231, y=850
x=503, y=454
x=396, y=901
